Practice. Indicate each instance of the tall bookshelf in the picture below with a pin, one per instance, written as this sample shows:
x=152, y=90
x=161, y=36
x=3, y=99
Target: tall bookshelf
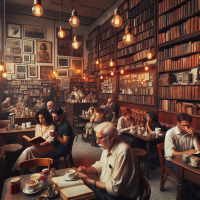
x=178, y=52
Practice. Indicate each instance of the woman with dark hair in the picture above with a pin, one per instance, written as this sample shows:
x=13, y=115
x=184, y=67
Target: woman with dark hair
x=151, y=121
x=44, y=126
x=43, y=55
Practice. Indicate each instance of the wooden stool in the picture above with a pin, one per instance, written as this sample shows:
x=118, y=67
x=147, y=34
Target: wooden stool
x=139, y=153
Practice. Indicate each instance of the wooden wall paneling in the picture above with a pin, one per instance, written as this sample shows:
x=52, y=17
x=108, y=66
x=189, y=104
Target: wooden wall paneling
x=161, y=116
x=173, y=118
x=168, y=118
x=195, y=123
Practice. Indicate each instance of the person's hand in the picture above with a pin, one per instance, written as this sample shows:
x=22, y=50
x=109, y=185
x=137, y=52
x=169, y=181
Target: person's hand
x=11, y=107
x=53, y=134
x=131, y=127
x=147, y=123
x=42, y=144
x=191, y=151
x=83, y=170
x=84, y=178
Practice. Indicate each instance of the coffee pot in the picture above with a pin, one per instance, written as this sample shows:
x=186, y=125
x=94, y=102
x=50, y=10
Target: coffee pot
x=12, y=120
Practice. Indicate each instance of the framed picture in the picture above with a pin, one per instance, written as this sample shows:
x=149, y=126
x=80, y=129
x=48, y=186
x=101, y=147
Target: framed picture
x=17, y=59
x=13, y=30
x=46, y=72
x=26, y=58
x=59, y=81
x=14, y=77
x=70, y=73
x=63, y=62
x=32, y=59
x=34, y=32
x=109, y=80
x=150, y=84
x=64, y=47
x=77, y=67
x=63, y=72
x=10, y=68
x=65, y=82
x=179, y=78
x=78, y=52
x=8, y=58
x=44, y=50
x=32, y=71
x=21, y=76
x=8, y=50
x=28, y=46
x=12, y=42
x=67, y=34
x=16, y=50
x=105, y=83
x=110, y=86
x=21, y=68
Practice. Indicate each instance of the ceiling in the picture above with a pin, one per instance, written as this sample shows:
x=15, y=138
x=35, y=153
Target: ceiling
x=89, y=10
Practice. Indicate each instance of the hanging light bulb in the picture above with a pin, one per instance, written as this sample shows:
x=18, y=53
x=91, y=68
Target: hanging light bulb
x=97, y=61
x=122, y=71
x=128, y=37
x=149, y=55
x=84, y=77
x=111, y=73
x=37, y=9
x=74, y=20
x=116, y=20
x=101, y=77
x=75, y=44
x=111, y=63
x=146, y=68
x=4, y=74
x=54, y=72
x=61, y=33
x=1, y=68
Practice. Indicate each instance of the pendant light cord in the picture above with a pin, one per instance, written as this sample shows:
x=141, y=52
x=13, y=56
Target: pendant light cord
x=60, y=12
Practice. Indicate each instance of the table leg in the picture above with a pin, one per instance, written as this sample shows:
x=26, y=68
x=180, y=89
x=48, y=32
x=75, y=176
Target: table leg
x=179, y=183
x=147, y=161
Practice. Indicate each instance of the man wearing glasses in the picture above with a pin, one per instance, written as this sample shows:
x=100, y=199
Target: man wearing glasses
x=118, y=168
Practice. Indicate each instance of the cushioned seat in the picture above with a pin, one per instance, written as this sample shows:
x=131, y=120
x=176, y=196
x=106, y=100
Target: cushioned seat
x=11, y=148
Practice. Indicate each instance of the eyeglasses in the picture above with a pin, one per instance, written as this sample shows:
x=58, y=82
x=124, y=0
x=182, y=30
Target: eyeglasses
x=184, y=126
x=101, y=138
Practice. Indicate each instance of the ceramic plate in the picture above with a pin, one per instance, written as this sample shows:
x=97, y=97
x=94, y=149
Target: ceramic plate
x=29, y=192
x=47, y=192
x=193, y=165
x=75, y=178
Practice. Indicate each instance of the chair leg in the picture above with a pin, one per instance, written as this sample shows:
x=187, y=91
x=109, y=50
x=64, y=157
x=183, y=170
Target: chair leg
x=65, y=161
x=162, y=182
x=139, y=163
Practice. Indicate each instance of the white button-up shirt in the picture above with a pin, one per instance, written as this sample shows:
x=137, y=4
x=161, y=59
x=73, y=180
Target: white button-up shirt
x=176, y=141
x=119, y=170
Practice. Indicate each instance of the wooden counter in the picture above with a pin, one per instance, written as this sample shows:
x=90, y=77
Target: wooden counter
x=20, y=120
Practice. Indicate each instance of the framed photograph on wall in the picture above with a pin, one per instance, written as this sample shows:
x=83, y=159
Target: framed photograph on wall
x=26, y=58
x=12, y=42
x=77, y=67
x=21, y=76
x=46, y=72
x=59, y=81
x=44, y=52
x=105, y=83
x=13, y=30
x=7, y=50
x=64, y=47
x=78, y=52
x=62, y=73
x=32, y=59
x=67, y=33
x=34, y=32
x=63, y=62
x=28, y=46
x=32, y=71
x=70, y=73
x=16, y=50
x=10, y=68
x=17, y=59
x=21, y=68
x=65, y=82
x=8, y=58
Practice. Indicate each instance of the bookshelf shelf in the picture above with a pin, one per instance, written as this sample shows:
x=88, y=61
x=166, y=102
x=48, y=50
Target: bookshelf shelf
x=177, y=70
x=182, y=99
x=141, y=31
x=152, y=16
x=152, y=105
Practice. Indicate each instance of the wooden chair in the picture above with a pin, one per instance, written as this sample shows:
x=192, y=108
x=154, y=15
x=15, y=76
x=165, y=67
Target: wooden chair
x=144, y=186
x=164, y=170
x=2, y=167
x=37, y=162
x=139, y=153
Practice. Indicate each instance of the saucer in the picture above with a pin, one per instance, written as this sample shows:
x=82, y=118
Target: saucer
x=46, y=192
x=73, y=179
x=30, y=127
x=31, y=192
x=193, y=165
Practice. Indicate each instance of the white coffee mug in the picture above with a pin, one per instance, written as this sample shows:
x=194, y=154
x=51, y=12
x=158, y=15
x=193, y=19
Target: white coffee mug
x=23, y=125
x=158, y=130
x=70, y=174
x=31, y=185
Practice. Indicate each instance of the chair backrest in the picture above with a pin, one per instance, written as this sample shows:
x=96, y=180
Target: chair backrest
x=79, y=112
x=144, y=186
x=2, y=166
x=37, y=162
x=70, y=148
x=160, y=148
x=2, y=141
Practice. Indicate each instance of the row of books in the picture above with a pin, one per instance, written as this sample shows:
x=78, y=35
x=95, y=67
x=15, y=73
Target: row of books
x=124, y=15
x=136, y=99
x=120, y=36
x=94, y=50
x=142, y=16
x=140, y=91
x=105, y=26
x=143, y=27
x=182, y=63
x=107, y=50
x=106, y=95
x=138, y=56
x=93, y=56
x=107, y=57
x=123, y=25
x=93, y=42
x=105, y=71
x=131, y=66
x=181, y=12
x=133, y=3
x=136, y=47
x=140, y=7
x=16, y=96
x=180, y=92
x=26, y=82
x=123, y=8
x=92, y=62
x=92, y=35
x=103, y=65
x=106, y=43
x=190, y=26
x=106, y=34
x=179, y=50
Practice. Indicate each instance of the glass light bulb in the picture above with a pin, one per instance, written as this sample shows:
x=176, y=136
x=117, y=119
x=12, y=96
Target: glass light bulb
x=122, y=71
x=116, y=21
x=37, y=10
x=149, y=55
x=128, y=38
x=4, y=74
x=146, y=68
x=97, y=61
x=54, y=72
x=75, y=44
x=1, y=68
x=74, y=21
x=111, y=63
x=61, y=33
x=101, y=77
x=111, y=73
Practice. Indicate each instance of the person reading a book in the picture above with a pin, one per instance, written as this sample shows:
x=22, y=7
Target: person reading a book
x=63, y=135
x=43, y=128
x=118, y=167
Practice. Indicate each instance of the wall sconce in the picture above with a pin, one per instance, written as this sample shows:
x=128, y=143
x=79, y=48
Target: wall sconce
x=149, y=55
x=97, y=61
x=122, y=71
x=75, y=43
x=116, y=20
x=37, y=9
x=101, y=77
x=128, y=37
x=74, y=20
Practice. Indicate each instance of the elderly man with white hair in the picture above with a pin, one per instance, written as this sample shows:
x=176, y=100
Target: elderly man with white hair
x=50, y=106
x=118, y=168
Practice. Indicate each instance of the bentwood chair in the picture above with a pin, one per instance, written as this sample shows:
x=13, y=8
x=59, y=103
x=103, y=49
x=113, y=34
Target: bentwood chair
x=165, y=172
x=144, y=187
x=2, y=168
x=37, y=162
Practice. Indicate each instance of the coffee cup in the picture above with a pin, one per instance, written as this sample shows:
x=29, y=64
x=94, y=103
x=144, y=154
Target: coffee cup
x=145, y=133
x=23, y=125
x=36, y=176
x=158, y=130
x=131, y=130
x=28, y=124
x=195, y=161
x=186, y=158
x=70, y=174
x=42, y=197
x=16, y=126
x=31, y=185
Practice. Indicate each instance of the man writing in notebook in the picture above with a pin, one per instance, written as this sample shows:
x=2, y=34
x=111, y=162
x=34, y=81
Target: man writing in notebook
x=118, y=168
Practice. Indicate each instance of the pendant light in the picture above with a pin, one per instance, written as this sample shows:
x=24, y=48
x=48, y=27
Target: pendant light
x=75, y=43
x=116, y=20
x=128, y=37
x=101, y=77
x=37, y=9
x=97, y=61
x=4, y=74
x=146, y=68
x=112, y=73
x=111, y=63
x=1, y=68
x=74, y=20
x=122, y=71
x=149, y=55
x=61, y=33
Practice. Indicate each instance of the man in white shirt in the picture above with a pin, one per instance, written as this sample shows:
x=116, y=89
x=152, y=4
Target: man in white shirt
x=118, y=168
x=50, y=106
x=76, y=94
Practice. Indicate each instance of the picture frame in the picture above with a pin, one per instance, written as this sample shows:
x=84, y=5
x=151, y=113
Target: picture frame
x=13, y=30
x=32, y=59
x=70, y=72
x=26, y=58
x=109, y=80
x=10, y=68
x=21, y=68
x=67, y=32
x=16, y=50
x=12, y=42
x=63, y=62
x=179, y=78
x=59, y=81
x=65, y=83
x=32, y=71
x=59, y=87
x=28, y=46
x=78, y=52
x=34, y=32
x=150, y=83
x=14, y=77
x=46, y=56
x=105, y=83
x=17, y=59
x=110, y=86
x=21, y=76
x=7, y=50
x=62, y=73
x=8, y=58
x=46, y=72
x=77, y=67
x=64, y=47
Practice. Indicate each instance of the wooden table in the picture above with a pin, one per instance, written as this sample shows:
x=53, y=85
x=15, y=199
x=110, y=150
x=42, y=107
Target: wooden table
x=184, y=171
x=148, y=141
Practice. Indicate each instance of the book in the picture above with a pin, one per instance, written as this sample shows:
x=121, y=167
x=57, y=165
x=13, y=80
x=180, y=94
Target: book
x=34, y=140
